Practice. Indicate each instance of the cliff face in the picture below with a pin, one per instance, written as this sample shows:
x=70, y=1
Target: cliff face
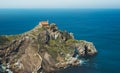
x=42, y=50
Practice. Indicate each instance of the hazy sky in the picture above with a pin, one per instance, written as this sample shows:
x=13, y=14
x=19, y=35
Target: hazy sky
x=59, y=3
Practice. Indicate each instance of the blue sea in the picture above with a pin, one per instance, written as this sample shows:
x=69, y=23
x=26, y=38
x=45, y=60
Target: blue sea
x=100, y=26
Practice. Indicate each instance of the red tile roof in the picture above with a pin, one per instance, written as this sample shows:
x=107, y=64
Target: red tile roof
x=44, y=23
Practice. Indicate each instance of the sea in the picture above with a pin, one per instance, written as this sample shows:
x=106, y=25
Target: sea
x=100, y=26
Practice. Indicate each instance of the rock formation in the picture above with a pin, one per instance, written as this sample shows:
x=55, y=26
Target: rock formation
x=42, y=50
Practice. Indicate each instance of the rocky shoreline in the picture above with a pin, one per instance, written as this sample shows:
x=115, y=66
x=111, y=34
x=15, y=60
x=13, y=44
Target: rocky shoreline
x=42, y=50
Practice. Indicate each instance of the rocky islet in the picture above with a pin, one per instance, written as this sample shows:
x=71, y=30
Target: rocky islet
x=43, y=49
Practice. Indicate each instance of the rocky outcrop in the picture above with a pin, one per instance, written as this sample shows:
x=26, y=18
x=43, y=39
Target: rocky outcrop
x=42, y=50
x=86, y=48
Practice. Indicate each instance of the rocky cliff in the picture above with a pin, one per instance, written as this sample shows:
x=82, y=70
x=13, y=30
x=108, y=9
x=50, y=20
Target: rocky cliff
x=42, y=50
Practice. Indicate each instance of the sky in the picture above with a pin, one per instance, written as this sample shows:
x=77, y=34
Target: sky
x=59, y=3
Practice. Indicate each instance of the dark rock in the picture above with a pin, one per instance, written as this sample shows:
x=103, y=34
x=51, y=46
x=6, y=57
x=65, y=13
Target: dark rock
x=44, y=37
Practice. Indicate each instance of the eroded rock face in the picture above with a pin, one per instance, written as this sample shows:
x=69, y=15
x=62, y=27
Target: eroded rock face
x=44, y=37
x=42, y=50
x=86, y=48
x=31, y=60
x=22, y=56
x=48, y=63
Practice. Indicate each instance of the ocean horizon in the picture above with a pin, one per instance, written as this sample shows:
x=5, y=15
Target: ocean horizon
x=100, y=26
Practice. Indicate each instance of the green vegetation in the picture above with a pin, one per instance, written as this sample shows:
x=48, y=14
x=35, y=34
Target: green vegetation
x=3, y=40
x=12, y=37
x=71, y=42
x=41, y=29
x=59, y=48
x=53, y=51
x=6, y=39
